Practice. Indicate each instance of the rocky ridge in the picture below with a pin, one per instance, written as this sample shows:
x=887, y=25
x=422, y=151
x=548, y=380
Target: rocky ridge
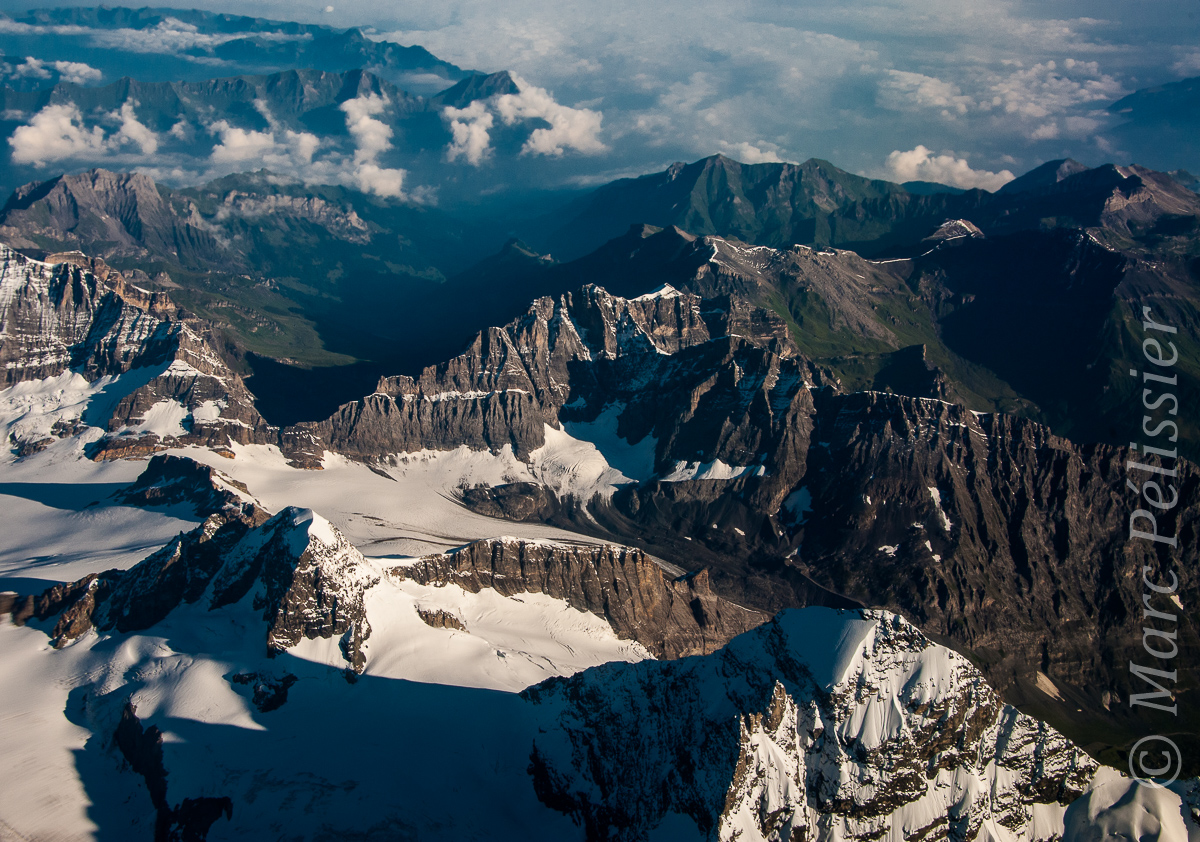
x=299, y=573
x=817, y=204
x=157, y=378
x=170, y=480
x=673, y=617
x=572, y=357
x=818, y=725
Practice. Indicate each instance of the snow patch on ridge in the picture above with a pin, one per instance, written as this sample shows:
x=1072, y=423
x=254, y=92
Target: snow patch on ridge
x=716, y=469
x=799, y=504
x=937, y=502
x=589, y=458
x=664, y=291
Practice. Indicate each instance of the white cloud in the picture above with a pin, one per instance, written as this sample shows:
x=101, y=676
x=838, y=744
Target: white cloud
x=183, y=130
x=371, y=178
x=278, y=148
x=761, y=152
x=238, y=144
x=169, y=36
x=12, y=27
x=920, y=164
x=58, y=132
x=77, y=72
x=811, y=76
x=470, y=127
x=901, y=90
x=134, y=132
x=372, y=138
x=31, y=68
x=68, y=71
x=1082, y=126
x=570, y=128
x=674, y=81
x=172, y=36
x=1046, y=131
x=1188, y=63
x=1052, y=87
x=54, y=134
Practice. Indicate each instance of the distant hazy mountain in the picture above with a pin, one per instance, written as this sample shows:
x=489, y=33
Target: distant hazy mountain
x=314, y=275
x=158, y=45
x=921, y=188
x=817, y=204
x=1046, y=175
x=327, y=127
x=1161, y=125
x=770, y=204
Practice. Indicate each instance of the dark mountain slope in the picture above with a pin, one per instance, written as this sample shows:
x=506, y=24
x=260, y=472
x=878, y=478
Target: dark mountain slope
x=309, y=274
x=817, y=204
x=1160, y=118
x=814, y=203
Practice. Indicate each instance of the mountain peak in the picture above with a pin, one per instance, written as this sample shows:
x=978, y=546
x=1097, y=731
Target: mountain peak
x=475, y=87
x=804, y=704
x=1045, y=175
x=296, y=570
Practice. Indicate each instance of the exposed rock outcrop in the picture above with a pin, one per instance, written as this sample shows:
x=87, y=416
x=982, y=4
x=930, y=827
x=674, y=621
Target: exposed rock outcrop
x=171, y=388
x=818, y=725
x=438, y=619
x=676, y=364
x=59, y=316
x=170, y=480
x=672, y=618
x=300, y=574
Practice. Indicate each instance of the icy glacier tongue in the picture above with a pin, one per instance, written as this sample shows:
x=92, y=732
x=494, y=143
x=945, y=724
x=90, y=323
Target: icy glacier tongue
x=819, y=725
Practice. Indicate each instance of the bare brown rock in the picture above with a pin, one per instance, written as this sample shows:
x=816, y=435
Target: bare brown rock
x=672, y=618
x=439, y=619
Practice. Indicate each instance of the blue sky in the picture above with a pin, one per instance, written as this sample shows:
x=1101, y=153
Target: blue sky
x=967, y=93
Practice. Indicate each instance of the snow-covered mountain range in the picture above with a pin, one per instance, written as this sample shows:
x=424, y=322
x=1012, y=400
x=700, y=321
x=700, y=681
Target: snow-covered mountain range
x=386, y=454
x=184, y=623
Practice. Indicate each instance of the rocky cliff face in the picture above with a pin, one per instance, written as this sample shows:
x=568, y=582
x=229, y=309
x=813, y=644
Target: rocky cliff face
x=171, y=480
x=59, y=316
x=991, y=531
x=672, y=617
x=983, y=529
x=818, y=725
x=296, y=571
x=125, y=211
x=672, y=359
x=158, y=380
